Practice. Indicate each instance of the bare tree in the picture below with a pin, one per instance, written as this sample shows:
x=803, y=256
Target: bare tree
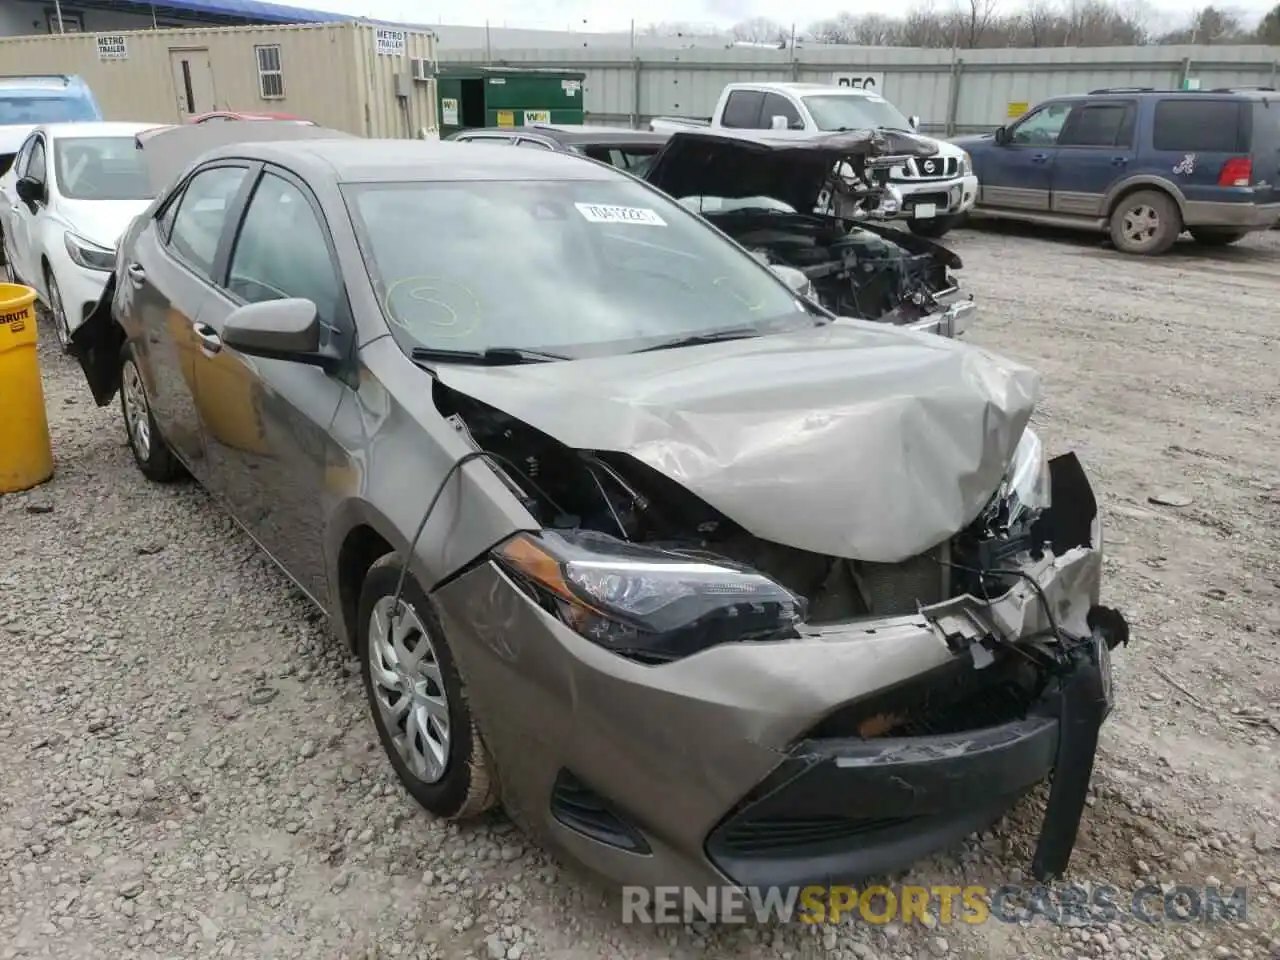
x=977, y=20
x=870, y=29
x=1269, y=28
x=1209, y=25
x=1035, y=23
x=760, y=30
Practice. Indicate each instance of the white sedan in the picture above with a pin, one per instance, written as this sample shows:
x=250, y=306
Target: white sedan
x=71, y=192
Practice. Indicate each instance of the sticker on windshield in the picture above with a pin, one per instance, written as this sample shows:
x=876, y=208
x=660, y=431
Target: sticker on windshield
x=606, y=213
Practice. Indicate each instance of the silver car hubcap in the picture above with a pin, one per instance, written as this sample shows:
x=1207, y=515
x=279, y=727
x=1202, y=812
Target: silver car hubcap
x=409, y=689
x=136, y=419
x=1141, y=224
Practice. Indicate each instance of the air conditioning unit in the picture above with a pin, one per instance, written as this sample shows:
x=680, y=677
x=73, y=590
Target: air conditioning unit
x=421, y=68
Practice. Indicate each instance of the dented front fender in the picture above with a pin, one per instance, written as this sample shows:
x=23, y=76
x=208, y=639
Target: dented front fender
x=96, y=345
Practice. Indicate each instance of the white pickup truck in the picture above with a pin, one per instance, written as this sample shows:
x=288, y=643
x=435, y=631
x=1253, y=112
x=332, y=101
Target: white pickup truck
x=936, y=191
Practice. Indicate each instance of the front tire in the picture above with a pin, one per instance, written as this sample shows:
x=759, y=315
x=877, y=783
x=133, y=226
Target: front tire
x=1146, y=223
x=150, y=452
x=418, y=699
x=1216, y=236
x=935, y=227
x=57, y=311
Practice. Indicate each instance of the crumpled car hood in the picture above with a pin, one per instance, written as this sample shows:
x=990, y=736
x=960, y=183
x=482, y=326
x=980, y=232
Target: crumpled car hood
x=738, y=165
x=849, y=440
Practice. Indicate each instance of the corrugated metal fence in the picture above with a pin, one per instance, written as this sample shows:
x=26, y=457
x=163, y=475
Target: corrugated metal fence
x=951, y=91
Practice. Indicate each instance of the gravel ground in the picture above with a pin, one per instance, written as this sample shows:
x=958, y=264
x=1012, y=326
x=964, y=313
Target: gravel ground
x=189, y=770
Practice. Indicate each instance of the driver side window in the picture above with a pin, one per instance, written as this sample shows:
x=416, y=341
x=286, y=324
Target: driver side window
x=24, y=154
x=1042, y=127
x=776, y=105
x=263, y=268
x=36, y=162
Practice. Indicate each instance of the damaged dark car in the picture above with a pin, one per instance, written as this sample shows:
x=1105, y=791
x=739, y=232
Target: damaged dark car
x=816, y=208
x=703, y=584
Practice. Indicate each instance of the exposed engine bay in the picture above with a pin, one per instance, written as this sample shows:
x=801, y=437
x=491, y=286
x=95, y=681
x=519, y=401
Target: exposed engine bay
x=817, y=205
x=618, y=495
x=859, y=272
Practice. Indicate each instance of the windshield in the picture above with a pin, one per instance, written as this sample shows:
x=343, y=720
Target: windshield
x=577, y=268
x=100, y=168
x=16, y=109
x=853, y=112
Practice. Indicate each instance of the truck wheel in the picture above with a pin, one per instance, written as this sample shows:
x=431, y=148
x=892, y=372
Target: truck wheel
x=1216, y=236
x=935, y=227
x=1146, y=223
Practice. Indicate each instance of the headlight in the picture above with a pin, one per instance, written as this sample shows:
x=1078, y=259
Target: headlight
x=647, y=604
x=1027, y=487
x=966, y=164
x=89, y=255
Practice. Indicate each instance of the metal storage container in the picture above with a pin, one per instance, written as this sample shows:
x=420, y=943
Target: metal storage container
x=362, y=79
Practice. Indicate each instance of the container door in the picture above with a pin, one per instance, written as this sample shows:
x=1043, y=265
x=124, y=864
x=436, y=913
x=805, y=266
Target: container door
x=193, y=81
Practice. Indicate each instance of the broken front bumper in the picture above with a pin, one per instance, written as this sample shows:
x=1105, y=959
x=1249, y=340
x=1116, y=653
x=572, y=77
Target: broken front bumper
x=840, y=809
x=957, y=315
x=649, y=775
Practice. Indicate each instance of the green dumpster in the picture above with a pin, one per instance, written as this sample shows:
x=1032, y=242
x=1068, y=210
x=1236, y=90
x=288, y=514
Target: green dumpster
x=476, y=96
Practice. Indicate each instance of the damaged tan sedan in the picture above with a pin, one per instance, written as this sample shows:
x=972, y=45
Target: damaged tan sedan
x=701, y=582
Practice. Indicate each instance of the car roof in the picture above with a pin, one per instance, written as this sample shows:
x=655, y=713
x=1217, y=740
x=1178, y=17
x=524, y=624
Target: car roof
x=318, y=153
x=358, y=160
x=577, y=134
x=797, y=87
x=1147, y=93
x=53, y=84
x=94, y=128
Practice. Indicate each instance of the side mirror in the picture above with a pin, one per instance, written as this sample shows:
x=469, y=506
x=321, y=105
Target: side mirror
x=30, y=190
x=277, y=330
x=914, y=121
x=1002, y=135
x=777, y=122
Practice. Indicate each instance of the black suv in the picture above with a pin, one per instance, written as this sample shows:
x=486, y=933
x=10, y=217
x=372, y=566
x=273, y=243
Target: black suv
x=1142, y=164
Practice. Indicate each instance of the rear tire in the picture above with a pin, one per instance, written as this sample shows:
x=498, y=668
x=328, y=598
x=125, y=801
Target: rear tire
x=445, y=766
x=934, y=228
x=150, y=452
x=1217, y=236
x=1146, y=223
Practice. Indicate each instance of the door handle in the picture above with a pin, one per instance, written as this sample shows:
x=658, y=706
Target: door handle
x=209, y=339
x=136, y=273
x=1119, y=161
x=1040, y=158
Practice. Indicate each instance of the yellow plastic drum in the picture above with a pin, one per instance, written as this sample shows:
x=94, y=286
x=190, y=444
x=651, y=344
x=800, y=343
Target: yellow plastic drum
x=26, y=455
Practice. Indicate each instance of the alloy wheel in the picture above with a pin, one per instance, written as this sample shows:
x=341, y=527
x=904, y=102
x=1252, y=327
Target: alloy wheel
x=137, y=415
x=409, y=689
x=59, y=315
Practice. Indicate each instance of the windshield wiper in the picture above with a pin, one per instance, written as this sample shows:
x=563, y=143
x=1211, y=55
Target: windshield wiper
x=492, y=356
x=697, y=339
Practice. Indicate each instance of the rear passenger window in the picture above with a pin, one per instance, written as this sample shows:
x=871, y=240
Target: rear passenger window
x=202, y=214
x=742, y=110
x=1094, y=125
x=1199, y=126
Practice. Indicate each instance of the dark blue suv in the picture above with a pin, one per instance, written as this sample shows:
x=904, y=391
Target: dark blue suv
x=1142, y=164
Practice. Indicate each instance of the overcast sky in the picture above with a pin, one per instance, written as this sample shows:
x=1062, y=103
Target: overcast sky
x=604, y=16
